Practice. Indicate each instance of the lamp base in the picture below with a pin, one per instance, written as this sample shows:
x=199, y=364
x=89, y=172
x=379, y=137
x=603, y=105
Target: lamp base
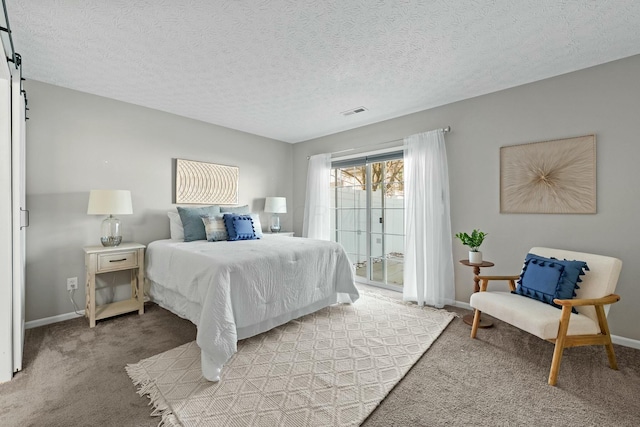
x=111, y=234
x=110, y=241
x=275, y=224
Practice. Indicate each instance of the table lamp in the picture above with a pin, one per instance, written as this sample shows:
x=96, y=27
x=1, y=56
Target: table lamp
x=110, y=202
x=275, y=205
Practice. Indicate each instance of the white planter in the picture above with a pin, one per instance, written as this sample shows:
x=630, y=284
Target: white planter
x=475, y=257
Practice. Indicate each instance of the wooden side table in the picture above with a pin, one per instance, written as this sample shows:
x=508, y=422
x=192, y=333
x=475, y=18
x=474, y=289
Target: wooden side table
x=468, y=319
x=101, y=259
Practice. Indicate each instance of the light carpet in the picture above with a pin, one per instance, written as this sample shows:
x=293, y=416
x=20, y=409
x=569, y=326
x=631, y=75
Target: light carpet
x=329, y=368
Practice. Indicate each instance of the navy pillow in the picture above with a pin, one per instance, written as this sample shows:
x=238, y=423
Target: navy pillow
x=573, y=271
x=239, y=227
x=545, y=279
x=192, y=221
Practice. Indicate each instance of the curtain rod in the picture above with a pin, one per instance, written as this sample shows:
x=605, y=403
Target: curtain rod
x=445, y=130
x=15, y=58
x=16, y=61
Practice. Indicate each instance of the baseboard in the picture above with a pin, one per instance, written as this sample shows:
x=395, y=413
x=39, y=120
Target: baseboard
x=626, y=342
x=462, y=305
x=59, y=318
x=53, y=319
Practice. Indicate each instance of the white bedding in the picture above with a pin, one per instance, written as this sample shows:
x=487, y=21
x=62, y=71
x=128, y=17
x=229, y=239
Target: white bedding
x=234, y=290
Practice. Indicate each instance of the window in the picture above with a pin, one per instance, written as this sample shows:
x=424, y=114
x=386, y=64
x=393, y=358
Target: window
x=368, y=216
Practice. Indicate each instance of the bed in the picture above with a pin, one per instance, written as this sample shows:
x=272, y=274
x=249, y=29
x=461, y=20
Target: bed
x=233, y=290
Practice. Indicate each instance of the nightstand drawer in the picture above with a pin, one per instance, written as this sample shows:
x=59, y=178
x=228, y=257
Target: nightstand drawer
x=117, y=261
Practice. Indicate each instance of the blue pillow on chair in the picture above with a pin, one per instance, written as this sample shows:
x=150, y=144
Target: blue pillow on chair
x=545, y=279
x=573, y=271
x=239, y=227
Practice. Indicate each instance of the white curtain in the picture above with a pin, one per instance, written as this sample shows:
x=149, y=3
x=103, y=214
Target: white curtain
x=317, y=222
x=428, y=265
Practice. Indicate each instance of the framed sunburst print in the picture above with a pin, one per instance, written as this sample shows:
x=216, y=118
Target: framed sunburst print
x=549, y=177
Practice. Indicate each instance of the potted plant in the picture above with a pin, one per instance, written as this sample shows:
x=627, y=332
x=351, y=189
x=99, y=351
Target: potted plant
x=473, y=241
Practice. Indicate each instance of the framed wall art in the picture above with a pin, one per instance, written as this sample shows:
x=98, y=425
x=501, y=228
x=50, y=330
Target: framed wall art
x=206, y=183
x=550, y=177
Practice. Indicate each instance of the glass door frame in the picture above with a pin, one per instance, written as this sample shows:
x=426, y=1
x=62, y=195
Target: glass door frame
x=368, y=280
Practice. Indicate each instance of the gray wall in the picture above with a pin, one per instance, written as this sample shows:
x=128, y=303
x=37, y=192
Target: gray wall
x=77, y=142
x=604, y=100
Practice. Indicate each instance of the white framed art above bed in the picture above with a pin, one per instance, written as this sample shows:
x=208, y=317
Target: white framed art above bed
x=206, y=183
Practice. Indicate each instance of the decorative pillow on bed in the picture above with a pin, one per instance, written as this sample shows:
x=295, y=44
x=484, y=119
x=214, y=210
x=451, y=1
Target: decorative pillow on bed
x=545, y=279
x=192, y=221
x=239, y=227
x=240, y=210
x=215, y=228
x=175, y=226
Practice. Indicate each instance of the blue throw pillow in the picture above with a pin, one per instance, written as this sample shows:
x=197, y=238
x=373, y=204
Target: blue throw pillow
x=239, y=227
x=192, y=221
x=545, y=279
x=573, y=271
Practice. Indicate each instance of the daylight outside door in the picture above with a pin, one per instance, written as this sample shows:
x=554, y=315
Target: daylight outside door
x=368, y=216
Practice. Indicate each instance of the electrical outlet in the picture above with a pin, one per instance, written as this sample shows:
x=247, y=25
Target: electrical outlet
x=72, y=283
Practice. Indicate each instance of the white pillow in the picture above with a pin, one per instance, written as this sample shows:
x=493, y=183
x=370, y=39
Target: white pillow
x=175, y=226
x=257, y=227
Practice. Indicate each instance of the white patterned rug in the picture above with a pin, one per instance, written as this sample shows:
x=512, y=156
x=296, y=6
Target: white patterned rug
x=329, y=368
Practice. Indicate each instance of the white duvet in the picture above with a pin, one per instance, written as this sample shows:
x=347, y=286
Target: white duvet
x=234, y=290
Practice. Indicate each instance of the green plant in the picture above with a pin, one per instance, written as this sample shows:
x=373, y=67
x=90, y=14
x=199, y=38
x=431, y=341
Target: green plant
x=473, y=241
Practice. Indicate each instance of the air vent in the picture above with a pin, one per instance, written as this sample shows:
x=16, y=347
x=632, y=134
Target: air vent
x=353, y=111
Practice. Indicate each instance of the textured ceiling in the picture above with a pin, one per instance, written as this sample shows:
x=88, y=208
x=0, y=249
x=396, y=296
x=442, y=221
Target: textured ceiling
x=285, y=69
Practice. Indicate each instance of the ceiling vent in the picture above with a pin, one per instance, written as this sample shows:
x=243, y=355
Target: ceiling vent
x=353, y=111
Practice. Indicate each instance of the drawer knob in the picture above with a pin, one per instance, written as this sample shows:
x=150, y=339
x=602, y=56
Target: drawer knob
x=117, y=260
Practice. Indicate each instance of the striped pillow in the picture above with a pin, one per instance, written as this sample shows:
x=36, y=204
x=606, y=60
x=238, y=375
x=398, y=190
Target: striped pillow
x=215, y=228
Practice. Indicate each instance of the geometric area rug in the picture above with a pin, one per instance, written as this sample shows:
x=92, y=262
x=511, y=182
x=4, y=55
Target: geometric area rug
x=329, y=368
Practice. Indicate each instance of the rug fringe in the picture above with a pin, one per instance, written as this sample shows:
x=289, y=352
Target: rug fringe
x=148, y=387
x=406, y=303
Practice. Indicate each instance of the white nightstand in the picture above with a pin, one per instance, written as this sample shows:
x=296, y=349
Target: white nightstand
x=282, y=233
x=101, y=259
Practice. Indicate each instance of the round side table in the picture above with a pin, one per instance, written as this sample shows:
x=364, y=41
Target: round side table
x=468, y=319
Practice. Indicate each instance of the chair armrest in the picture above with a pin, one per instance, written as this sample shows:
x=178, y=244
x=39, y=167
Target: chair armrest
x=484, y=281
x=609, y=299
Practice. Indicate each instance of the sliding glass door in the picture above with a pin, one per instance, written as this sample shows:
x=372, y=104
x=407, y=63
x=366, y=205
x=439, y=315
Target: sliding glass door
x=368, y=216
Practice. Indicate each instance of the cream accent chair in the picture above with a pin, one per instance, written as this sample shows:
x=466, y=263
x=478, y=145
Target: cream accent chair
x=562, y=327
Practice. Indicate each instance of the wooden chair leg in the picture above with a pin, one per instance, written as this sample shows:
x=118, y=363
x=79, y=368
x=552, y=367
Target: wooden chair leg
x=604, y=330
x=559, y=348
x=476, y=322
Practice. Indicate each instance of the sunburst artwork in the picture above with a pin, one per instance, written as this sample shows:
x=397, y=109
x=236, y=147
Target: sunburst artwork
x=550, y=177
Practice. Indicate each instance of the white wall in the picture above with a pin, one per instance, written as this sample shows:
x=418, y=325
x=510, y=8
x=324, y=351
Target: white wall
x=77, y=142
x=604, y=100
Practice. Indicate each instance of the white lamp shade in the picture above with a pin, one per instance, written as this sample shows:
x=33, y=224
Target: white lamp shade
x=275, y=205
x=110, y=202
